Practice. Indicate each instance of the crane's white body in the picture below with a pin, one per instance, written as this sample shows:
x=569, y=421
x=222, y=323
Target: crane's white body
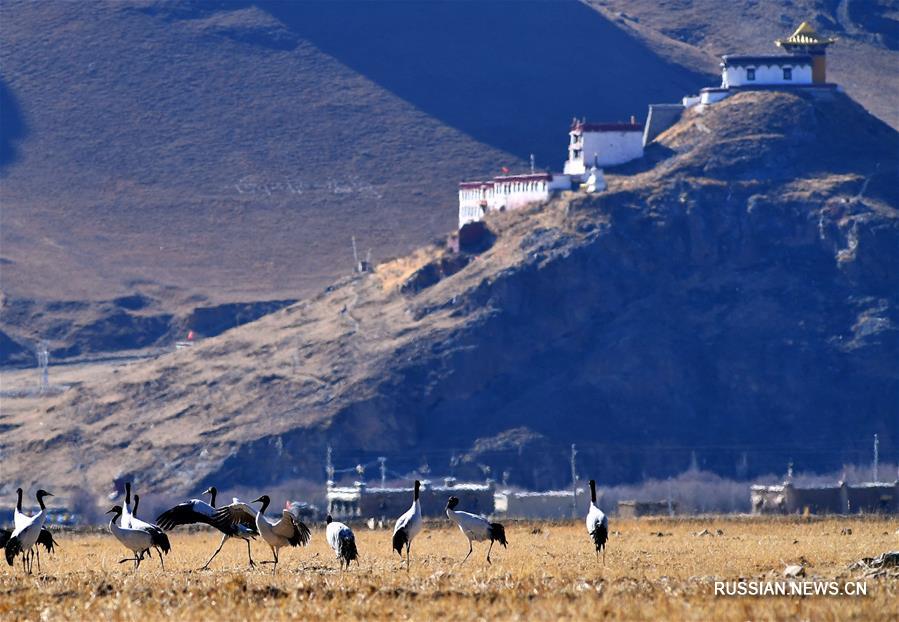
x=136, y=540
x=335, y=532
x=277, y=533
x=597, y=524
x=596, y=519
x=342, y=541
x=410, y=521
x=19, y=519
x=474, y=527
x=28, y=529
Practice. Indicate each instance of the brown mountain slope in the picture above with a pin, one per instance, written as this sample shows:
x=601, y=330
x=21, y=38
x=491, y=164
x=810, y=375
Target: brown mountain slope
x=196, y=153
x=737, y=287
x=222, y=151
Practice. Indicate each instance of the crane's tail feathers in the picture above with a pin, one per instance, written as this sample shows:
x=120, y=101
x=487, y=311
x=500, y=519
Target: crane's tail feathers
x=600, y=535
x=348, y=550
x=399, y=540
x=5, y=535
x=498, y=534
x=46, y=538
x=13, y=547
x=158, y=537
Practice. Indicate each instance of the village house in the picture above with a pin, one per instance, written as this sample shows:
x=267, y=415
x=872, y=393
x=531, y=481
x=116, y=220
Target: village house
x=786, y=498
x=385, y=504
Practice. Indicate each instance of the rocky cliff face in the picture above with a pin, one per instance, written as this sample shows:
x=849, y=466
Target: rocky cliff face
x=733, y=297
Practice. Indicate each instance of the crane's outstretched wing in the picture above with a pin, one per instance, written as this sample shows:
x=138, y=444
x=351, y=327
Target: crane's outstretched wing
x=236, y=514
x=292, y=528
x=187, y=513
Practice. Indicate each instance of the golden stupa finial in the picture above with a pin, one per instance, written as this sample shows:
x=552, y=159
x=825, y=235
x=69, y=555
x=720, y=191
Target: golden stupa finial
x=804, y=36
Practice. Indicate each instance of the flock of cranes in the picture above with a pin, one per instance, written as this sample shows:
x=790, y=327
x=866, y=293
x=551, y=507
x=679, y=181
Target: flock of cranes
x=239, y=520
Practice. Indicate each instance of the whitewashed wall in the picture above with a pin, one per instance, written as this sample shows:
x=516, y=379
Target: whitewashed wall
x=735, y=75
x=611, y=148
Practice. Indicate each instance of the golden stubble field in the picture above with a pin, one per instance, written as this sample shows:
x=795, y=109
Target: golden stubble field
x=549, y=572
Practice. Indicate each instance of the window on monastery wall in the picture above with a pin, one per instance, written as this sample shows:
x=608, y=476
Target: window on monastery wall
x=788, y=73
x=750, y=73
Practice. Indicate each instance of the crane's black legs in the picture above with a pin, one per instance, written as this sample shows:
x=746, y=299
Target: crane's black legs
x=274, y=561
x=488, y=551
x=162, y=563
x=252, y=563
x=470, y=549
x=408, y=555
x=221, y=544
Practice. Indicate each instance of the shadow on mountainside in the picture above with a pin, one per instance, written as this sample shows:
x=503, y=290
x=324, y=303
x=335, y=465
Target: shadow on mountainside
x=509, y=74
x=12, y=125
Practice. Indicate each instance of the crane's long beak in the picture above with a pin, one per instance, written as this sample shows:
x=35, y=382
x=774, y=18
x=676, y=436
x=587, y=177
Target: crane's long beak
x=256, y=500
x=111, y=511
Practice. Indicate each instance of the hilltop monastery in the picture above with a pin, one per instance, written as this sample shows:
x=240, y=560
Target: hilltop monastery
x=594, y=146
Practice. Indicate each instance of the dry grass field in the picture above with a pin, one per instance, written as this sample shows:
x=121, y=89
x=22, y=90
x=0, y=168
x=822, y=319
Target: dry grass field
x=548, y=573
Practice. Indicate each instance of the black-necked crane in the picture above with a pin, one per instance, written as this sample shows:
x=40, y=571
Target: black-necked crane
x=408, y=526
x=475, y=528
x=289, y=530
x=26, y=533
x=597, y=524
x=45, y=538
x=198, y=511
x=137, y=540
x=130, y=521
x=343, y=542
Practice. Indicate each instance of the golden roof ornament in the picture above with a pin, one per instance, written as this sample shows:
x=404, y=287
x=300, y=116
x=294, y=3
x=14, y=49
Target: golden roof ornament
x=804, y=37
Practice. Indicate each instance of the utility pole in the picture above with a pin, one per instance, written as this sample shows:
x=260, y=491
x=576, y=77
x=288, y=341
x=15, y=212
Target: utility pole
x=382, y=460
x=43, y=361
x=329, y=466
x=876, y=457
x=573, y=481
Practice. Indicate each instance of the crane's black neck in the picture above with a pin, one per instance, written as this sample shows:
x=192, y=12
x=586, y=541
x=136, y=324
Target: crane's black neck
x=127, y=494
x=212, y=493
x=265, y=503
x=40, y=501
x=136, y=503
x=593, y=491
x=19, y=500
x=417, y=488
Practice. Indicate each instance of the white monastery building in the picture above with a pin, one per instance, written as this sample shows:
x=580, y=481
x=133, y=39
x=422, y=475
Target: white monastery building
x=804, y=65
x=476, y=198
x=602, y=144
x=592, y=146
